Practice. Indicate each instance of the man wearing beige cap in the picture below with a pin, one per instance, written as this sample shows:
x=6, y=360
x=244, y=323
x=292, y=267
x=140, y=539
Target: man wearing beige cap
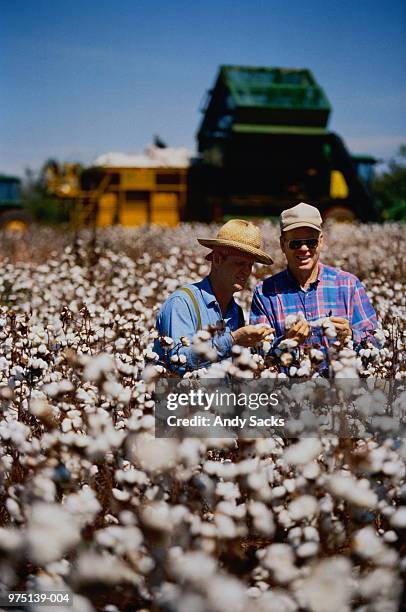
x=210, y=302
x=311, y=288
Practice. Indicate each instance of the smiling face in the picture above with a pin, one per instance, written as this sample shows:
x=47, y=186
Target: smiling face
x=303, y=260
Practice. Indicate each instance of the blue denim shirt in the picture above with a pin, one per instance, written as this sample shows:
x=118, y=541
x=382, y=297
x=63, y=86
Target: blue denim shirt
x=178, y=318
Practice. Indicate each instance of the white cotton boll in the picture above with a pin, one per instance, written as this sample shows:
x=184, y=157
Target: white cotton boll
x=247, y=466
x=278, y=492
x=98, y=366
x=225, y=525
x=120, y=495
x=258, y=481
x=392, y=467
x=287, y=344
x=83, y=505
x=103, y=568
x=14, y=509
x=368, y=544
x=327, y=588
x=195, y=567
x=228, y=490
x=37, y=364
x=303, y=452
x=253, y=592
x=390, y=537
x=231, y=509
x=311, y=534
x=302, y=507
x=66, y=425
x=123, y=540
x=189, y=451
x=47, y=540
x=380, y=583
x=226, y=593
x=152, y=453
x=132, y=476
x=290, y=320
x=308, y=549
x=244, y=359
x=279, y=558
x=275, y=599
x=156, y=515
x=44, y=488
x=262, y=518
x=289, y=484
x=316, y=354
x=398, y=519
x=349, y=489
x=11, y=540
x=295, y=535
x=311, y=471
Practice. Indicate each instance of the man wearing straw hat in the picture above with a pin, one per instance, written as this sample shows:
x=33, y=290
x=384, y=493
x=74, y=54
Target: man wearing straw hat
x=310, y=288
x=210, y=302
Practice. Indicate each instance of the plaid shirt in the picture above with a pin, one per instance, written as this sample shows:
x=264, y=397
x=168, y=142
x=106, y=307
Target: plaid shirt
x=334, y=293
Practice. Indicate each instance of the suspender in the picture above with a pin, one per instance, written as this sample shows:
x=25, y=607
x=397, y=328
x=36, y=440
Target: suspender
x=195, y=304
x=189, y=292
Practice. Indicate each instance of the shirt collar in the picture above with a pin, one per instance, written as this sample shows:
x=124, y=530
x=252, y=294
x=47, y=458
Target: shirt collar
x=294, y=282
x=207, y=291
x=208, y=294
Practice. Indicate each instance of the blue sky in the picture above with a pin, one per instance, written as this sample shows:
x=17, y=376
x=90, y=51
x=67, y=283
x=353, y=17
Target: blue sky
x=79, y=78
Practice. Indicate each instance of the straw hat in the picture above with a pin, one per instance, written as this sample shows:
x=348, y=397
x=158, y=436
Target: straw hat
x=241, y=235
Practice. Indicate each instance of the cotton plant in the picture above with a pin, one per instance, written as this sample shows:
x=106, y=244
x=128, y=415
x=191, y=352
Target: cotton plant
x=259, y=524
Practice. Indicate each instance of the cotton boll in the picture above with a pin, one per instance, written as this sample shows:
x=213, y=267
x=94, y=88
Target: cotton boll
x=308, y=549
x=228, y=490
x=328, y=587
x=303, y=452
x=302, y=507
x=46, y=540
x=368, y=545
x=381, y=584
x=262, y=518
x=152, y=454
x=348, y=488
x=279, y=558
x=226, y=593
x=105, y=569
x=98, y=367
x=398, y=518
x=195, y=567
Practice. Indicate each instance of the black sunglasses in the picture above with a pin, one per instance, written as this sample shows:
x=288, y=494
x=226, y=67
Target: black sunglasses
x=311, y=243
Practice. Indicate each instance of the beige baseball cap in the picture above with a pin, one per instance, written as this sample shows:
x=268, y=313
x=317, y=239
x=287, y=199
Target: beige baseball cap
x=301, y=215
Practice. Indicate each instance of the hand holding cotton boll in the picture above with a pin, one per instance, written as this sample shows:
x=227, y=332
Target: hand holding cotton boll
x=342, y=327
x=250, y=335
x=297, y=328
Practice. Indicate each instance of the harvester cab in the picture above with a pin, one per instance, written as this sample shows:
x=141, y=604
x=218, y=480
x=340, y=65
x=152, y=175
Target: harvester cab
x=13, y=217
x=264, y=145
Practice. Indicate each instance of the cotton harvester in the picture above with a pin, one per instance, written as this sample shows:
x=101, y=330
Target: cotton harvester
x=263, y=145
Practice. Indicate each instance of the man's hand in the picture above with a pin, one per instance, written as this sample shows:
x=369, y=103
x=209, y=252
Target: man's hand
x=342, y=327
x=250, y=335
x=299, y=331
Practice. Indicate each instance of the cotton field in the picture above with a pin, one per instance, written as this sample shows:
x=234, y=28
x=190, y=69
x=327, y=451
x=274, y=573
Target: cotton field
x=92, y=503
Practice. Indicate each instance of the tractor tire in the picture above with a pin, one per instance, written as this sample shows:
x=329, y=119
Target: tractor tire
x=15, y=221
x=342, y=214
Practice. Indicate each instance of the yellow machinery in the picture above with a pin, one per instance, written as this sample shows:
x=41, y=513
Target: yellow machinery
x=130, y=196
